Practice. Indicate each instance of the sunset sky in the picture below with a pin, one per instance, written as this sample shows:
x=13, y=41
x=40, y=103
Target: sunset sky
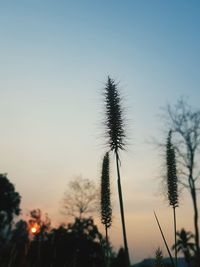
x=55, y=58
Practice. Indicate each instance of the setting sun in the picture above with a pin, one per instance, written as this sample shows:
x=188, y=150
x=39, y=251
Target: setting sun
x=33, y=230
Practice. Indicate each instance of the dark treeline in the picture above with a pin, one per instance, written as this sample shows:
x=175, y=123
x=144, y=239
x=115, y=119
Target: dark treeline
x=36, y=243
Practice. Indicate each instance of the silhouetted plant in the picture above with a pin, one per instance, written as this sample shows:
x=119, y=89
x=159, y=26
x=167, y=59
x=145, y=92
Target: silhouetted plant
x=78, y=245
x=172, y=182
x=80, y=198
x=9, y=207
x=185, y=245
x=120, y=259
x=158, y=258
x=106, y=209
x=9, y=199
x=185, y=124
x=115, y=134
x=19, y=244
x=41, y=226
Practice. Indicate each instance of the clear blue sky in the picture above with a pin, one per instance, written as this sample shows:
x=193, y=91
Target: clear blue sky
x=55, y=57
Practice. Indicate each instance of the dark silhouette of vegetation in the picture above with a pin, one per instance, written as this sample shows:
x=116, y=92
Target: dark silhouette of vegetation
x=115, y=134
x=79, y=244
x=75, y=245
x=40, y=224
x=36, y=244
x=19, y=243
x=158, y=258
x=9, y=200
x=172, y=182
x=120, y=259
x=185, y=125
x=80, y=198
x=9, y=207
x=106, y=209
x=40, y=228
x=185, y=245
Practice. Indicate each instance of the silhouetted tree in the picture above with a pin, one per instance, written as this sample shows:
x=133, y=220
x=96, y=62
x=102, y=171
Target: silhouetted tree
x=9, y=199
x=39, y=226
x=19, y=243
x=185, y=245
x=172, y=182
x=115, y=134
x=9, y=206
x=120, y=260
x=89, y=242
x=77, y=245
x=185, y=125
x=158, y=258
x=80, y=198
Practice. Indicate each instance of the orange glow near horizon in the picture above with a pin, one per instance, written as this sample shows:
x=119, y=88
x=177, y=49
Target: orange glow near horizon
x=33, y=230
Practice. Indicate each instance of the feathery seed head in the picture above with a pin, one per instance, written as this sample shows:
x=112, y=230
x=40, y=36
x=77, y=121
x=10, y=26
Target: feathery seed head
x=172, y=181
x=114, y=117
x=106, y=209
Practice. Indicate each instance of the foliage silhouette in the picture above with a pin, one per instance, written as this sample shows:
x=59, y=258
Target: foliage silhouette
x=41, y=225
x=185, y=245
x=77, y=245
x=158, y=258
x=9, y=199
x=120, y=259
x=115, y=134
x=19, y=243
x=9, y=207
x=185, y=125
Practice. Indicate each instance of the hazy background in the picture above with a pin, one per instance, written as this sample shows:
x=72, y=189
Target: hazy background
x=55, y=57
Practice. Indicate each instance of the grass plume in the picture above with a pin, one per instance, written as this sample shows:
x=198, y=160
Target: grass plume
x=115, y=134
x=172, y=182
x=115, y=130
x=106, y=209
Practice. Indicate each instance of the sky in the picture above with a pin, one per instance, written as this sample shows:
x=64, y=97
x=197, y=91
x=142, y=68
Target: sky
x=55, y=58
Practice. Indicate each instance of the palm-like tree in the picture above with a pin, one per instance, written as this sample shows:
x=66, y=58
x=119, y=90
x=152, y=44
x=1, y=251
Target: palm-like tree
x=158, y=258
x=115, y=133
x=185, y=245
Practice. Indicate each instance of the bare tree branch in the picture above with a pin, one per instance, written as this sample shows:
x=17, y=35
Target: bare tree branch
x=80, y=197
x=184, y=123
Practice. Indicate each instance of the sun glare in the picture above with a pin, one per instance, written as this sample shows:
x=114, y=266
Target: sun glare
x=33, y=230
